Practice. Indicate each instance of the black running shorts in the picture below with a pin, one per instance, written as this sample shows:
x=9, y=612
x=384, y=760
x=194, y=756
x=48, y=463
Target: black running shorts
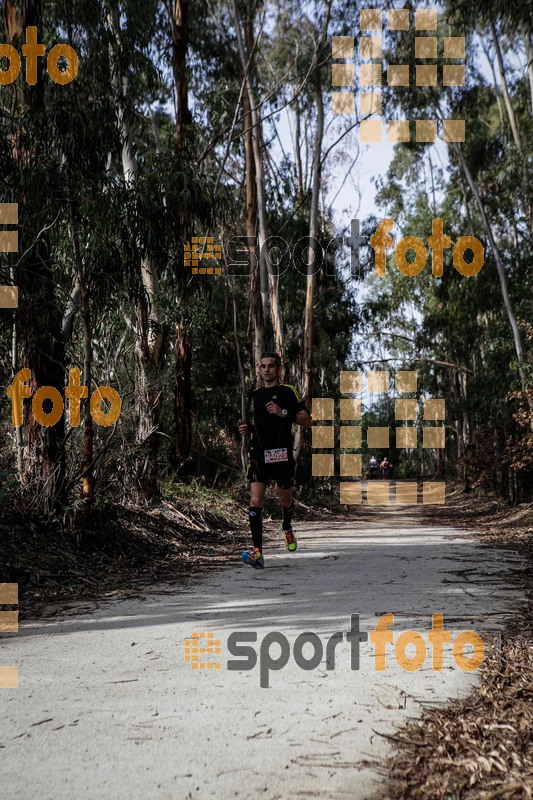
x=283, y=472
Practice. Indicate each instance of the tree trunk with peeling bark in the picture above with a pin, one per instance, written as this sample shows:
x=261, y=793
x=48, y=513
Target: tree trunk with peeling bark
x=148, y=322
x=38, y=318
x=268, y=281
x=179, y=19
x=182, y=396
x=256, y=308
x=312, y=255
x=182, y=440
x=517, y=338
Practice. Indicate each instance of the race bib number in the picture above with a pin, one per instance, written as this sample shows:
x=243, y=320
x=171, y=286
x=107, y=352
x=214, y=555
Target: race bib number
x=273, y=456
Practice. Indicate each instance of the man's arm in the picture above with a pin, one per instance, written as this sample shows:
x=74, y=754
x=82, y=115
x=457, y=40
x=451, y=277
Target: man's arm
x=304, y=418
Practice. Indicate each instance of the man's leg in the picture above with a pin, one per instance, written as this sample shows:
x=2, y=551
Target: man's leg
x=257, y=499
x=286, y=499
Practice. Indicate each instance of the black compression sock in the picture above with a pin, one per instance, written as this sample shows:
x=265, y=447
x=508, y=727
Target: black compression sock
x=256, y=526
x=286, y=516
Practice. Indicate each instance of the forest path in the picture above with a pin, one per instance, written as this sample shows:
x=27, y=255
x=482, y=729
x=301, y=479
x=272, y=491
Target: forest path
x=107, y=707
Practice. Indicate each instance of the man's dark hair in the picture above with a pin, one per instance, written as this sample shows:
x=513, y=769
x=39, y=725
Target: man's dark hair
x=273, y=355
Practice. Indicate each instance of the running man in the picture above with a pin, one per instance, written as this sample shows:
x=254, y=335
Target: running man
x=276, y=406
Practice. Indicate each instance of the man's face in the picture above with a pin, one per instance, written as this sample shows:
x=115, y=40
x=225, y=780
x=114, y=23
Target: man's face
x=269, y=370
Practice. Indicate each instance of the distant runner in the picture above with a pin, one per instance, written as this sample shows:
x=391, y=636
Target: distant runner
x=384, y=467
x=373, y=464
x=276, y=406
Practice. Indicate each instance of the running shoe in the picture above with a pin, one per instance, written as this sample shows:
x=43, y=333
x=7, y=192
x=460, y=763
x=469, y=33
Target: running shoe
x=290, y=539
x=254, y=558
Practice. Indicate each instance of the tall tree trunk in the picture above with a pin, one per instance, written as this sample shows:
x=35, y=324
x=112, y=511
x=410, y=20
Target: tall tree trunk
x=268, y=281
x=517, y=338
x=19, y=438
x=298, y=151
x=529, y=56
x=308, y=333
x=87, y=490
x=256, y=309
x=148, y=322
x=513, y=121
x=505, y=91
x=182, y=396
x=38, y=318
x=179, y=17
x=182, y=441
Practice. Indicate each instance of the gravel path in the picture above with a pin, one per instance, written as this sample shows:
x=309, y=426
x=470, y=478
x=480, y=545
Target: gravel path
x=108, y=708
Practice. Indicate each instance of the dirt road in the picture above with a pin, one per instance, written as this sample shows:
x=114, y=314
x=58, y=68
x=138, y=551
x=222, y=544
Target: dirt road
x=108, y=707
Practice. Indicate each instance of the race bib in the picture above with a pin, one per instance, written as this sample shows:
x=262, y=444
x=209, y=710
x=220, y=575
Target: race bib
x=273, y=456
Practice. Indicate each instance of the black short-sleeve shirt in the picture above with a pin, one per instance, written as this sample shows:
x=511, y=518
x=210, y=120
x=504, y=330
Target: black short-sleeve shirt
x=268, y=430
